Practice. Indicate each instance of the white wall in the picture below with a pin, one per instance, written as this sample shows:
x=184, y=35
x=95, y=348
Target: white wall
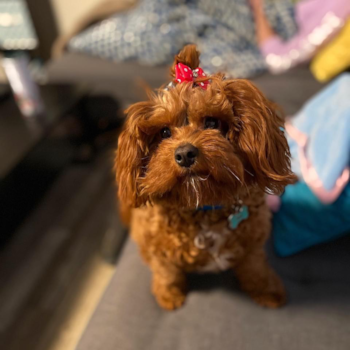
x=68, y=11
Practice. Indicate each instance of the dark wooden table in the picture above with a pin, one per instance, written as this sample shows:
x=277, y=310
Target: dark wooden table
x=32, y=152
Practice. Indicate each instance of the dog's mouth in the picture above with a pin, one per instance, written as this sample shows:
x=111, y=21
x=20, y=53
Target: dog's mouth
x=193, y=173
x=192, y=190
x=225, y=174
x=208, y=181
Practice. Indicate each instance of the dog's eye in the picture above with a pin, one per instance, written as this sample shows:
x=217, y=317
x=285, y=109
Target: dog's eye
x=165, y=133
x=211, y=123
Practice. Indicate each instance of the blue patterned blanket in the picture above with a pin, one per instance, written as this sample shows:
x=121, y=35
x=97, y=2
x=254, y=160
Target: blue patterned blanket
x=153, y=32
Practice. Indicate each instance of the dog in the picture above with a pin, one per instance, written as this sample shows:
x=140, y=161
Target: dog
x=193, y=165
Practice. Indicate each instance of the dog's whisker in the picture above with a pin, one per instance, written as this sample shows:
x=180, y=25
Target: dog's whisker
x=249, y=172
x=202, y=178
x=269, y=191
x=196, y=190
x=232, y=173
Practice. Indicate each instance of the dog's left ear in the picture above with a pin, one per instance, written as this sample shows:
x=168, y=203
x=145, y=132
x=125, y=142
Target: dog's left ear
x=260, y=136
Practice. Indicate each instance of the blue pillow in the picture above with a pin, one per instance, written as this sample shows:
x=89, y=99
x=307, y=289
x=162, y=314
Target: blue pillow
x=304, y=221
x=319, y=140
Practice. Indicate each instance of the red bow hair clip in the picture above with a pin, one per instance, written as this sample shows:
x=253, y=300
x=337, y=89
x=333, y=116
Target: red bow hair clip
x=184, y=73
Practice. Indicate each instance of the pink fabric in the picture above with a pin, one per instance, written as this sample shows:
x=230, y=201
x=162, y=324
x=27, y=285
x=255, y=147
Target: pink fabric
x=309, y=173
x=318, y=22
x=273, y=202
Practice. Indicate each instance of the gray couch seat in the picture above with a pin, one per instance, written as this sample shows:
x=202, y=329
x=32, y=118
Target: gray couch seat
x=219, y=316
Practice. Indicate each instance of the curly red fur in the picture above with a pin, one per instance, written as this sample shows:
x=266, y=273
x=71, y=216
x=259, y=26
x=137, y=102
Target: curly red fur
x=188, y=56
x=244, y=157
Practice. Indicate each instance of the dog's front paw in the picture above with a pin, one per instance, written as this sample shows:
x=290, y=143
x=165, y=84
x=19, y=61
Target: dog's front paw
x=170, y=297
x=260, y=282
x=271, y=299
x=268, y=291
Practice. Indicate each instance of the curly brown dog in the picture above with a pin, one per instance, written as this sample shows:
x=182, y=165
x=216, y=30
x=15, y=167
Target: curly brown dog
x=194, y=162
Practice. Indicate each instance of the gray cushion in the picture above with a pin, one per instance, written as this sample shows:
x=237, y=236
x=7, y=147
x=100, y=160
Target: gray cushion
x=290, y=90
x=123, y=80
x=218, y=316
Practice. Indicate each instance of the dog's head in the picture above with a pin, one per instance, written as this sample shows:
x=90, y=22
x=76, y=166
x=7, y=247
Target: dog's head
x=191, y=146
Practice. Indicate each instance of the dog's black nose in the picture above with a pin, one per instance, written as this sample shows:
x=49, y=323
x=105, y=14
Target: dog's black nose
x=186, y=155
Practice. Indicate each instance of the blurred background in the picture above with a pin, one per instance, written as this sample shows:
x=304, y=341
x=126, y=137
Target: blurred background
x=68, y=69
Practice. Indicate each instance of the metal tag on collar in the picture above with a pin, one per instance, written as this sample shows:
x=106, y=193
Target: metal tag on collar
x=236, y=218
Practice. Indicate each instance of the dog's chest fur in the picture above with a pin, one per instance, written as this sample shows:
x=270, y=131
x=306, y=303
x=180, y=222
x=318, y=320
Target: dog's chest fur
x=213, y=240
x=198, y=241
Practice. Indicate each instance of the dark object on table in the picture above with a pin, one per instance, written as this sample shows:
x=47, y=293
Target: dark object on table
x=16, y=27
x=95, y=120
x=32, y=153
x=17, y=36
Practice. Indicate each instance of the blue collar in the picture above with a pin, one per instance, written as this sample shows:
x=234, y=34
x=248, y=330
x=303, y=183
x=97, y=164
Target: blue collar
x=210, y=207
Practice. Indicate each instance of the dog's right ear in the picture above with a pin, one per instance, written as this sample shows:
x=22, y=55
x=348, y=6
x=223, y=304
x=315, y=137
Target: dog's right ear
x=132, y=149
